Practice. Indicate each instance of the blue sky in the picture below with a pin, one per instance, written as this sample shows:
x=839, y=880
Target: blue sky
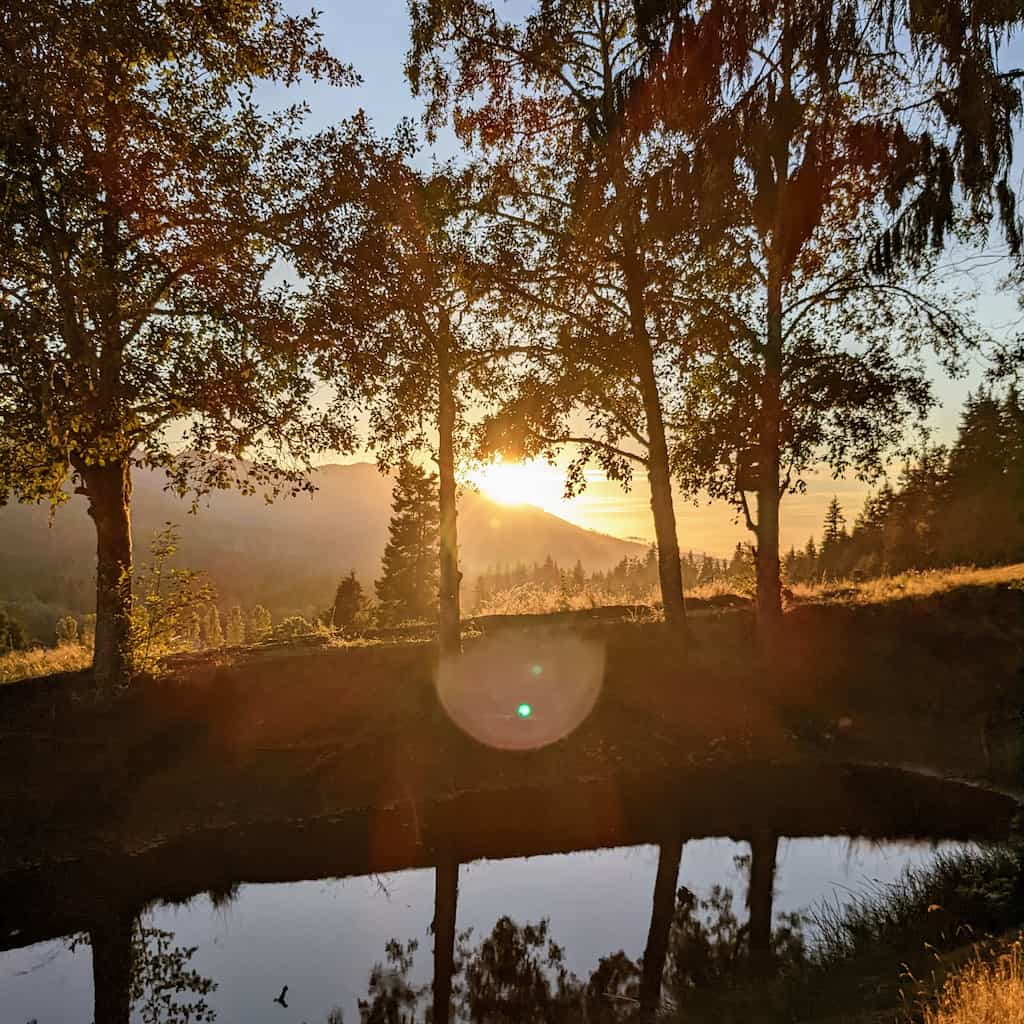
x=374, y=37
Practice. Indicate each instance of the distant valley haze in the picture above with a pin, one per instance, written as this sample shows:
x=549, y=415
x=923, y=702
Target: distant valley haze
x=287, y=555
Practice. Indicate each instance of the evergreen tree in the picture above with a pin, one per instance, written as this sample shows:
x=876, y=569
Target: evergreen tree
x=212, y=633
x=407, y=589
x=235, y=630
x=12, y=634
x=67, y=630
x=260, y=624
x=348, y=602
x=833, y=538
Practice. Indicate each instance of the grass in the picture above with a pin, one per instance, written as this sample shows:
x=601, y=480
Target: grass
x=906, y=951
x=43, y=661
x=964, y=891
x=533, y=599
x=984, y=992
x=915, y=584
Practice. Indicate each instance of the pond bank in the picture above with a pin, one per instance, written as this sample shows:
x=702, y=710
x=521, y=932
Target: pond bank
x=283, y=733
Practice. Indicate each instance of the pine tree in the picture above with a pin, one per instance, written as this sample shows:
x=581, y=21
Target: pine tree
x=67, y=630
x=348, y=602
x=235, y=630
x=407, y=589
x=833, y=537
x=260, y=624
x=12, y=634
x=213, y=635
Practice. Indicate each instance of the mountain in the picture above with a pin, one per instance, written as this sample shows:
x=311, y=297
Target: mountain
x=287, y=555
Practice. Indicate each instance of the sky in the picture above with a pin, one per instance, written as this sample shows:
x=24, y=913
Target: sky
x=373, y=37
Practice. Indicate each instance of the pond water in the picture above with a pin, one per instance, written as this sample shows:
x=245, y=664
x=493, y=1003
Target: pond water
x=322, y=938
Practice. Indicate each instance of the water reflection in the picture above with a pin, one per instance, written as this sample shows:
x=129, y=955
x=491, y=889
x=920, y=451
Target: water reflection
x=142, y=972
x=572, y=918
x=516, y=971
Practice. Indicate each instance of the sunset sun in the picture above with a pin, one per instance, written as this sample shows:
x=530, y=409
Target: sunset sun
x=519, y=483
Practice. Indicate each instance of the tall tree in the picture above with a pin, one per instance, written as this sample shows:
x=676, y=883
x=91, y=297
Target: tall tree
x=407, y=589
x=590, y=220
x=820, y=362
x=402, y=292
x=145, y=203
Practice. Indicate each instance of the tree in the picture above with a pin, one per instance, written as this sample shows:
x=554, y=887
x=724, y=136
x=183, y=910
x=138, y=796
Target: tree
x=213, y=634
x=832, y=539
x=348, y=602
x=146, y=200
x=260, y=624
x=67, y=630
x=407, y=589
x=12, y=634
x=402, y=291
x=166, y=601
x=819, y=361
x=235, y=629
x=586, y=235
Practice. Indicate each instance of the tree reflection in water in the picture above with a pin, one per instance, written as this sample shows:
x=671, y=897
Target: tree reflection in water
x=517, y=973
x=141, y=969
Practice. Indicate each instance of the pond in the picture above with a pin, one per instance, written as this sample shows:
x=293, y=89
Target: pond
x=323, y=938
x=591, y=902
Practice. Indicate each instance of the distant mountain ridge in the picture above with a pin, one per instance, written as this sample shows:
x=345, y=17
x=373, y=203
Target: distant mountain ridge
x=287, y=555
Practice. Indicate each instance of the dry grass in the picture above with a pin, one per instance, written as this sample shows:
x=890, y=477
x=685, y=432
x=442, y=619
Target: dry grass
x=983, y=992
x=924, y=583
x=531, y=599
x=43, y=661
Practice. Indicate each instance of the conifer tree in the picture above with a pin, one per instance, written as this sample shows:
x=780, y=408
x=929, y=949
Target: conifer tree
x=235, y=629
x=213, y=634
x=260, y=624
x=407, y=589
x=348, y=602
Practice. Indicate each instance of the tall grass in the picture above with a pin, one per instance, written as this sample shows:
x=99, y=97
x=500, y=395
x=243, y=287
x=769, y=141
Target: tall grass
x=983, y=992
x=535, y=599
x=44, y=661
x=943, y=904
x=916, y=583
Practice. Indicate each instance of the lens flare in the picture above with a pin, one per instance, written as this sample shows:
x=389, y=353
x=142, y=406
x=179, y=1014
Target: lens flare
x=549, y=678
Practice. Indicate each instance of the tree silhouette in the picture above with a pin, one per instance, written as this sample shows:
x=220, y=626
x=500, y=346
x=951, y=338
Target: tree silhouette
x=819, y=363
x=146, y=200
x=407, y=589
x=348, y=602
x=422, y=338
x=596, y=254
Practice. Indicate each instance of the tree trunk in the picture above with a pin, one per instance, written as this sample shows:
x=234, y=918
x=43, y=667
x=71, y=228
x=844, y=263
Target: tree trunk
x=446, y=899
x=769, y=584
x=450, y=628
x=109, y=489
x=759, y=896
x=663, y=908
x=659, y=476
x=112, y=969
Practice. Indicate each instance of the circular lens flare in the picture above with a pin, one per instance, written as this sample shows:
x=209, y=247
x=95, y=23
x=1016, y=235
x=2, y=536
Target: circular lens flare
x=549, y=677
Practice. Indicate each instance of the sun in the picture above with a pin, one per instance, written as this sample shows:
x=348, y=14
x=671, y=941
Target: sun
x=520, y=483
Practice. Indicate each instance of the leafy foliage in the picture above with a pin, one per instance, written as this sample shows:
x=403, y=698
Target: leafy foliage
x=166, y=600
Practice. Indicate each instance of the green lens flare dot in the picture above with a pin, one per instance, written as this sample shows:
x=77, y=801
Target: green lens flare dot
x=524, y=711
